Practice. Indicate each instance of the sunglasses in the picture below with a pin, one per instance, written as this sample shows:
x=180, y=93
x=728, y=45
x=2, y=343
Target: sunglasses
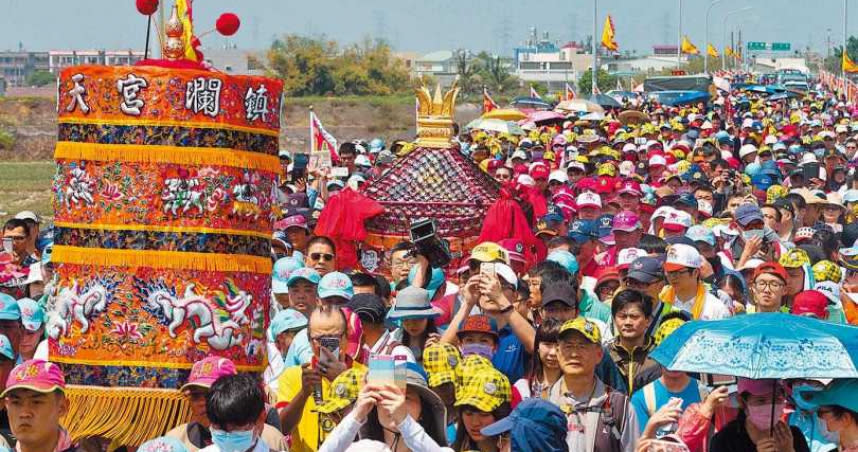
x=327, y=257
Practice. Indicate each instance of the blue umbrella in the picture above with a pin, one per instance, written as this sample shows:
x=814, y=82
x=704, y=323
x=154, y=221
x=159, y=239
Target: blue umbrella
x=765, y=345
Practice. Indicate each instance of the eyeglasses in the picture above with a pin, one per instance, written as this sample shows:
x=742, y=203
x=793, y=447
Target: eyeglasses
x=773, y=285
x=678, y=273
x=575, y=346
x=327, y=257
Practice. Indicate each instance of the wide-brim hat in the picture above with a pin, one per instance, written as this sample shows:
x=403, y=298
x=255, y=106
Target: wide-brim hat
x=412, y=303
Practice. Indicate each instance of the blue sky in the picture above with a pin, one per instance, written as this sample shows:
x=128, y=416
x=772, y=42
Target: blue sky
x=427, y=25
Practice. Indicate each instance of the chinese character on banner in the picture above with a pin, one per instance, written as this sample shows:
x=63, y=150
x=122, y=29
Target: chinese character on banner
x=130, y=88
x=77, y=94
x=256, y=103
x=203, y=95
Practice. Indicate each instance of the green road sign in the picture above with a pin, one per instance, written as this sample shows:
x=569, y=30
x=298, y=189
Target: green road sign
x=756, y=45
x=781, y=46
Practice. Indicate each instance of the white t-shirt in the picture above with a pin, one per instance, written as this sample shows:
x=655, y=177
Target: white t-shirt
x=713, y=307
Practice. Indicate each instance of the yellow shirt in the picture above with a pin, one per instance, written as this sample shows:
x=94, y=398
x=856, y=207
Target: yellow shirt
x=312, y=429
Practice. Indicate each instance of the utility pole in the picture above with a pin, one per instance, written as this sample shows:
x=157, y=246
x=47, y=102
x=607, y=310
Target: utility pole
x=594, y=72
x=679, y=42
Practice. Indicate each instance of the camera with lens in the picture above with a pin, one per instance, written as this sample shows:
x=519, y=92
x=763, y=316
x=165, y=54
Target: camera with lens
x=427, y=243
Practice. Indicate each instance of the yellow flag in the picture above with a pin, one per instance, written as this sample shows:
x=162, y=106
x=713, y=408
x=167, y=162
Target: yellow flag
x=848, y=64
x=728, y=51
x=688, y=47
x=710, y=49
x=608, y=35
x=185, y=10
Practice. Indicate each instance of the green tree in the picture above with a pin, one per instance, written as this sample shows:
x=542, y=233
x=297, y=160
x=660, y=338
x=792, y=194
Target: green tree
x=41, y=78
x=606, y=82
x=315, y=66
x=469, y=72
x=497, y=77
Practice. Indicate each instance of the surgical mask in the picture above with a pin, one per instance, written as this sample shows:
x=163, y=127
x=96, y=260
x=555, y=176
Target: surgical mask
x=831, y=437
x=761, y=415
x=237, y=441
x=748, y=235
x=486, y=351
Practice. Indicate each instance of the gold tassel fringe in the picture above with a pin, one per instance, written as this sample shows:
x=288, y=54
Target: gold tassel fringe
x=174, y=260
x=126, y=416
x=67, y=150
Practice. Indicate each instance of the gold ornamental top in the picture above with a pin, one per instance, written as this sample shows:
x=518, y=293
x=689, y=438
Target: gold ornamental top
x=174, y=44
x=435, y=117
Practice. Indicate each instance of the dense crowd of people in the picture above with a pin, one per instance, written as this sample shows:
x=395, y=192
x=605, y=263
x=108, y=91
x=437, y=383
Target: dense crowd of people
x=740, y=206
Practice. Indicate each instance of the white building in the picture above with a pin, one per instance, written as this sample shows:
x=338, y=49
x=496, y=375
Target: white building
x=440, y=65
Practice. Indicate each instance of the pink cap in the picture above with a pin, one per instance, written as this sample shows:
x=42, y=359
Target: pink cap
x=295, y=221
x=515, y=249
x=757, y=387
x=630, y=187
x=207, y=371
x=36, y=375
x=626, y=221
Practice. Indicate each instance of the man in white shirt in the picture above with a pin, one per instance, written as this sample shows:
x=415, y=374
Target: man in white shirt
x=686, y=290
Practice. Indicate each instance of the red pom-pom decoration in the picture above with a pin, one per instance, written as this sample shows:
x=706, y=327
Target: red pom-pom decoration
x=147, y=7
x=227, y=24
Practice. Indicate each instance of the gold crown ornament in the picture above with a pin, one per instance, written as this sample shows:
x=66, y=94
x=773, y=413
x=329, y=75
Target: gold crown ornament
x=435, y=117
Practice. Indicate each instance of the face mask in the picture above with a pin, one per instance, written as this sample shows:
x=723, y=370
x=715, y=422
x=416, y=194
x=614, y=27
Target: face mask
x=761, y=415
x=748, y=235
x=238, y=441
x=831, y=437
x=486, y=351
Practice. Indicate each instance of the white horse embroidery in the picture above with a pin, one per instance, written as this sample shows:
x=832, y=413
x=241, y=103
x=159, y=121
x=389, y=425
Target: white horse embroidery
x=73, y=304
x=220, y=335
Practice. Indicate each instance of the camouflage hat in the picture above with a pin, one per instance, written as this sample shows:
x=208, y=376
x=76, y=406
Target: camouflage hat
x=580, y=324
x=794, y=258
x=667, y=328
x=826, y=271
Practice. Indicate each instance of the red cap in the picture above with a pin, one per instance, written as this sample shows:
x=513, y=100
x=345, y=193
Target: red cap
x=479, y=324
x=810, y=302
x=771, y=268
x=539, y=172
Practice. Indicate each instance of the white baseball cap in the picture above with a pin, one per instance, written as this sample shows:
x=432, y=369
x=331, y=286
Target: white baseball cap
x=747, y=149
x=519, y=154
x=526, y=180
x=677, y=220
x=681, y=256
x=28, y=215
x=588, y=199
x=628, y=255
x=748, y=123
x=657, y=160
x=559, y=176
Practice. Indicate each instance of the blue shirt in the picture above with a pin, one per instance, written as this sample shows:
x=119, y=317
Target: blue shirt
x=689, y=395
x=510, y=356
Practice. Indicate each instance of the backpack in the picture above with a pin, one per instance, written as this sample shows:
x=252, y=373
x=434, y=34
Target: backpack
x=612, y=414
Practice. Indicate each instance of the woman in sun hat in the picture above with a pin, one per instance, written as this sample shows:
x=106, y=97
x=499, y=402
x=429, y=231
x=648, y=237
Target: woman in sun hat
x=417, y=316
x=410, y=420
